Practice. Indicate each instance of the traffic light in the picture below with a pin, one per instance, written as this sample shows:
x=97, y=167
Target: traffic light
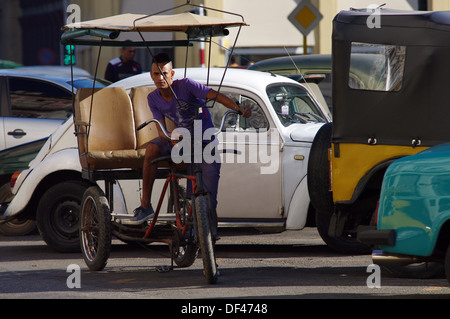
x=69, y=54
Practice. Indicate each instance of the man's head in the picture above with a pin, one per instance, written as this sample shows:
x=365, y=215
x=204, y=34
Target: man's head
x=162, y=71
x=128, y=54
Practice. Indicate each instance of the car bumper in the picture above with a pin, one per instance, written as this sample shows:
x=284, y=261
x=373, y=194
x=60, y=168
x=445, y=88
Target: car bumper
x=371, y=236
x=386, y=259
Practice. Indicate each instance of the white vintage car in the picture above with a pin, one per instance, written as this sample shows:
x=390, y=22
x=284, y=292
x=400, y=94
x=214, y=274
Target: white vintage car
x=262, y=184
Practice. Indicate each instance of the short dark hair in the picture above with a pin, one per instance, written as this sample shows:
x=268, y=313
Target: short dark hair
x=161, y=58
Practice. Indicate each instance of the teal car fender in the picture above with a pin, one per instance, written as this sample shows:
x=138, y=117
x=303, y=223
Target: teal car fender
x=415, y=201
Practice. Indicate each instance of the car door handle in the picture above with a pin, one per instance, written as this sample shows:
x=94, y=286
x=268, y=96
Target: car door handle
x=17, y=133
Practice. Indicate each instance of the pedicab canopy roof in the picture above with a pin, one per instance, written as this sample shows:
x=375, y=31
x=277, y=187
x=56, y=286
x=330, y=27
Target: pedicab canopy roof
x=196, y=26
x=193, y=24
x=155, y=23
x=404, y=97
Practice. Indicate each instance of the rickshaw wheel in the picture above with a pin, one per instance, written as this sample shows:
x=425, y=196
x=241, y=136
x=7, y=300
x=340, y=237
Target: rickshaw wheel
x=187, y=250
x=95, y=228
x=186, y=253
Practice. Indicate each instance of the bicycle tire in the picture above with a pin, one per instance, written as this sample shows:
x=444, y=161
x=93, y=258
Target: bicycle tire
x=205, y=239
x=186, y=254
x=95, y=228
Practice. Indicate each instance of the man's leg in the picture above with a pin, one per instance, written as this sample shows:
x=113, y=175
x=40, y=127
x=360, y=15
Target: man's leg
x=211, y=175
x=149, y=173
x=154, y=150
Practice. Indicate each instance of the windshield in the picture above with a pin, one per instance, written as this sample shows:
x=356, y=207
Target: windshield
x=293, y=104
x=384, y=63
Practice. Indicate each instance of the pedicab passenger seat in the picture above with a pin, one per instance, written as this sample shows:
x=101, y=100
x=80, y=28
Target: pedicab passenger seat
x=142, y=113
x=106, y=132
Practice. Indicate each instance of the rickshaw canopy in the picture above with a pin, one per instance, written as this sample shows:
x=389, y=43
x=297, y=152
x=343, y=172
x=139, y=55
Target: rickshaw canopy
x=406, y=95
x=155, y=23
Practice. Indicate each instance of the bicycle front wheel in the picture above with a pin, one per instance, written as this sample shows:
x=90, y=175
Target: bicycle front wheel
x=95, y=228
x=205, y=239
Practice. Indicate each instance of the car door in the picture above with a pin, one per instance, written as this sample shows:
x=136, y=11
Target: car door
x=250, y=185
x=33, y=110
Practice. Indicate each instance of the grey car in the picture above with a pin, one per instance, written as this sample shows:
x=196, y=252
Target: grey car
x=305, y=65
x=34, y=101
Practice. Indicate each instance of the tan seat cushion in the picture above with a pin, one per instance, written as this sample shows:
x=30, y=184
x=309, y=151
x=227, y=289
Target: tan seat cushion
x=143, y=113
x=113, y=159
x=110, y=141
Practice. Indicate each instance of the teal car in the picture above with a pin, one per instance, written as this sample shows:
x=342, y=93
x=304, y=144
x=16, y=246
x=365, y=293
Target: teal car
x=413, y=220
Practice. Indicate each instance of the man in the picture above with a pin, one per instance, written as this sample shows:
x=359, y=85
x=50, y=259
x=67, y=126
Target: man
x=123, y=66
x=163, y=103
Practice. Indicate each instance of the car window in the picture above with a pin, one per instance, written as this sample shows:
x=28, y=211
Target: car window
x=88, y=83
x=37, y=99
x=384, y=63
x=237, y=123
x=293, y=104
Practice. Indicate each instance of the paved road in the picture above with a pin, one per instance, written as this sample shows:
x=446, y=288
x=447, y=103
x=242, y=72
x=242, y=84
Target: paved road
x=285, y=265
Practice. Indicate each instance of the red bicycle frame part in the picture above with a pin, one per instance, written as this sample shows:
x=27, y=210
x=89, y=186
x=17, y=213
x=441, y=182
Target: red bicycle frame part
x=173, y=177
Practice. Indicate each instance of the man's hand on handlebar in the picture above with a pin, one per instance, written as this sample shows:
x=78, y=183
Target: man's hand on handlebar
x=246, y=112
x=175, y=138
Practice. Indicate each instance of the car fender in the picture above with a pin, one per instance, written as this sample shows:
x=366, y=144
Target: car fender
x=66, y=159
x=298, y=207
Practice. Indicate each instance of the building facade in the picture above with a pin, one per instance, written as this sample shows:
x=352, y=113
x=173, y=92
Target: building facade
x=30, y=29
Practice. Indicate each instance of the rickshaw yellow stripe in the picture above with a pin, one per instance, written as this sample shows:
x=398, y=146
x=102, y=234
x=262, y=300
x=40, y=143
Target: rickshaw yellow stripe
x=356, y=160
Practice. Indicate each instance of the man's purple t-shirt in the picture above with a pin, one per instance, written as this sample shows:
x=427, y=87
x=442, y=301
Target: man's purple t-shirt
x=188, y=92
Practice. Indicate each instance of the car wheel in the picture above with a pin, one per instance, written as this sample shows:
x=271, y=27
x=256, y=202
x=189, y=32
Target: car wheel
x=447, y=264
x=57, y=216
x=15, y=227
x=319, y=171
x=344, y=244
x=425, y=270
x=18, y=227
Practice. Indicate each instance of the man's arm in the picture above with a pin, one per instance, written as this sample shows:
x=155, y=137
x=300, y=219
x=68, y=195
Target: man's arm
x=229, y=103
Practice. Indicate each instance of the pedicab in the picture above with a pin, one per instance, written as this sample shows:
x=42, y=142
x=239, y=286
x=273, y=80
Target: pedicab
x=112, y=129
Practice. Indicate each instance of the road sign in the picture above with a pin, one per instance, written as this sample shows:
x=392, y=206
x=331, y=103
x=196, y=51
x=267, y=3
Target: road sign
x=305, y=17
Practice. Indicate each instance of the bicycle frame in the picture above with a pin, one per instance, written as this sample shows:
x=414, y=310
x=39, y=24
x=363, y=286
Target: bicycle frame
x=196, y=181
x=173, y=180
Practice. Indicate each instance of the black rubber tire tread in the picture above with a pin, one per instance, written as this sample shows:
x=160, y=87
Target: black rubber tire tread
x=95, y=229
x=447, y=264
x=205, y=239
x=342, y=244
x=62, y=196
x=186, y=254
x=417, y=271
x=318, y=171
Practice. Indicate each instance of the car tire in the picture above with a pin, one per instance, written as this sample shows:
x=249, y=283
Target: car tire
x=343, y=244
x=447, y=264
x=425, y=270
x=57, y=215
x=319, y=171
x=15, y=227
x=18, y=227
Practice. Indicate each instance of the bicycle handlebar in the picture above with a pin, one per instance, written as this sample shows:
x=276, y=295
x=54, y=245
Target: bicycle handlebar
x=176, y=138
x=140, y=127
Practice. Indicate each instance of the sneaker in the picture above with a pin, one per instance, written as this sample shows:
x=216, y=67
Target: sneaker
x=141, y=214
